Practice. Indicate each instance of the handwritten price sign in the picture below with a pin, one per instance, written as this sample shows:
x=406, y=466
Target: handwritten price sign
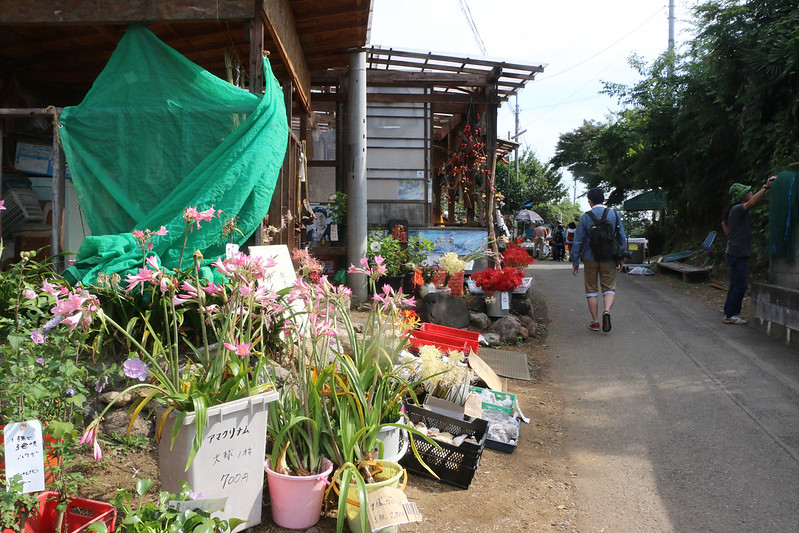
x=25, y=454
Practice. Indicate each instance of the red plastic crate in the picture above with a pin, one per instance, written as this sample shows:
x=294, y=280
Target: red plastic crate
x=442, y=342
x=472, y=337
x=79, y=514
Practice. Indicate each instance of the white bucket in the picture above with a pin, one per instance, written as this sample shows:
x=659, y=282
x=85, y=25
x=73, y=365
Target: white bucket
x=230, y=462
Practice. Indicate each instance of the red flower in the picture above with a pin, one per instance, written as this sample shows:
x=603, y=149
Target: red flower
x=498, y=279
x=516, y=257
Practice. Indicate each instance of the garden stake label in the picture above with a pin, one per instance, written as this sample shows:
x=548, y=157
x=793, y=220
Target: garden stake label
x=25, y=454
x=210, y=505
x=388, y=506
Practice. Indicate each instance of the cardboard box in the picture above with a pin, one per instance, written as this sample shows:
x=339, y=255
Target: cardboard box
x=36, y=159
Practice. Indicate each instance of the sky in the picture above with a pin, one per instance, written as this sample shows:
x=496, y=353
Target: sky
x=580, y=43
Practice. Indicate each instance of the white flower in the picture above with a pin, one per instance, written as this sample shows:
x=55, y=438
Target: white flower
x=375, y=246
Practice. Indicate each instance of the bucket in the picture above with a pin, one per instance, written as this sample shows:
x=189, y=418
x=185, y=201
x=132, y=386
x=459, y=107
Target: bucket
x=392, y=474
x=394, y=446
x=297, y=500
x=498, y=304
x=229, y=464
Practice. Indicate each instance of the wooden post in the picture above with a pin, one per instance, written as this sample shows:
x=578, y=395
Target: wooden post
x=2, y=123
x=491, y=157
x=256, y=72
x=59, y=189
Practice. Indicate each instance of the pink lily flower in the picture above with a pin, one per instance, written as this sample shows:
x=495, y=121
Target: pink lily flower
x=242, y=350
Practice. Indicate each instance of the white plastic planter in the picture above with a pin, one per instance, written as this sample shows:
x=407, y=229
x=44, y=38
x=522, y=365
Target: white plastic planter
x=230, y=462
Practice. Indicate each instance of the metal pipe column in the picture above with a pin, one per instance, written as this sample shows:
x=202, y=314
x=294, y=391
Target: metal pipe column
x=356, y=187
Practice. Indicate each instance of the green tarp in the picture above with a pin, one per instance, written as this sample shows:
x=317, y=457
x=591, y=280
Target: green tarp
x=646, y=201
x=157, y=134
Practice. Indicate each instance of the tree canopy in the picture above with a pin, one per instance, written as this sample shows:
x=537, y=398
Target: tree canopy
x=722, y=111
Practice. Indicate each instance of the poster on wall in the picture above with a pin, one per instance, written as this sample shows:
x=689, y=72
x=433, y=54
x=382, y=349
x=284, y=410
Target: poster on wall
x=460, y=241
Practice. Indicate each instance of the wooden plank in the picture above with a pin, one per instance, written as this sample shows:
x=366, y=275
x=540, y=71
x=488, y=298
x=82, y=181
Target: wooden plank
x=280, y=24
x=122, y=11
x=688, y=271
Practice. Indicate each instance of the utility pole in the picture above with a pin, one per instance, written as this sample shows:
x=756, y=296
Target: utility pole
x=671, y=38
x=516, y=137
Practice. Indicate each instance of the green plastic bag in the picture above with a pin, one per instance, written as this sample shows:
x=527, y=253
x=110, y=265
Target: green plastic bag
x=157, y=134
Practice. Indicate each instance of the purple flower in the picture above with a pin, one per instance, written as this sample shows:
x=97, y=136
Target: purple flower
x=100, y=384
x=134, y=368
x=40, y=360
x=70, y=393
x=37, y=338
x=53, y=322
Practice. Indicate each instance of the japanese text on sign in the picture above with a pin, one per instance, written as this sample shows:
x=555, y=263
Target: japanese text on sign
x=25, y=454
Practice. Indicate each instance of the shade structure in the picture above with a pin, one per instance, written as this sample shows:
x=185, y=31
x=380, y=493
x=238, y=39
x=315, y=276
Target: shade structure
x=646, y=201
x=528, y=216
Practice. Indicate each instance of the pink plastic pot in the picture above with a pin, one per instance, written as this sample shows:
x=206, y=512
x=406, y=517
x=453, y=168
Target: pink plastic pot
x=297, y=500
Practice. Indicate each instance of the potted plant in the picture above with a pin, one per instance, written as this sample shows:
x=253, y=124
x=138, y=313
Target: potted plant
x=42, y=376
x=497, y=283
x=15, y=506
x=365, y=389
x=515, y=256
x=207, y=379
x=451, y=275
x=299, y=464
x=398, y=257
x=337, y=217
x=168, y=512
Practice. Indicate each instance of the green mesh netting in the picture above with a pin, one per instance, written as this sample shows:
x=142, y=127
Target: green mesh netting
x=156, y=134
x=783, y=214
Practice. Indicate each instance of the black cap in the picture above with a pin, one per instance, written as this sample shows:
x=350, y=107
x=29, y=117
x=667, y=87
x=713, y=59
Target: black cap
x=596, y=196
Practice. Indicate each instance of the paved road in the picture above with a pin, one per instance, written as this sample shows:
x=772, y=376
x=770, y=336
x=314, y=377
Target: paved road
x=675, y=421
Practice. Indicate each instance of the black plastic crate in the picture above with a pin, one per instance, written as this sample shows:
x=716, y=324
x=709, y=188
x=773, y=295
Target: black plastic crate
x=455, y=465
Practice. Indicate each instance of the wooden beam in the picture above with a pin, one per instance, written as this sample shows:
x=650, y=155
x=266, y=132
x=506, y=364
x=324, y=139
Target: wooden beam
x=143, y=11
x=256, y=65
x=281, y=25
x=449, y=98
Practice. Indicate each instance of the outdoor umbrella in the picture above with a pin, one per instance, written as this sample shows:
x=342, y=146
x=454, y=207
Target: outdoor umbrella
x=531, y=217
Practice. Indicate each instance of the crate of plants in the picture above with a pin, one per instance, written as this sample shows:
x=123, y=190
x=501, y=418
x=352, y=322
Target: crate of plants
x=462, y=443
x=495, y=400
x=503, y=431
x=79, y=515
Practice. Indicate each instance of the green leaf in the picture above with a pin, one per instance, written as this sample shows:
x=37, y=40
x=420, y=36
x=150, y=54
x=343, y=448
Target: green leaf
x=143, y=486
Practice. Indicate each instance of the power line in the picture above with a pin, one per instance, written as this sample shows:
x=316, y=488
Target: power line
x=468, y=14
x=544, y=78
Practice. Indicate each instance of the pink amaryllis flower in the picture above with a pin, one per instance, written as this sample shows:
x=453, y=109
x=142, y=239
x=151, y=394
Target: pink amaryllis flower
x=240, y=349
x=191, y=215
x=29, y=294
x=90, y=437
x=77, y=308
x=2, y=205
x=49, y=288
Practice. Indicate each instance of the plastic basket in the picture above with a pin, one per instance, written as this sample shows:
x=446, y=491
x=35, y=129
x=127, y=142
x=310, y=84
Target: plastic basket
x=442, y=342
x=498, y=395
x=500, y=446
x=472, y=338
x=454, y=465
x=79, y=514
x=22, y=206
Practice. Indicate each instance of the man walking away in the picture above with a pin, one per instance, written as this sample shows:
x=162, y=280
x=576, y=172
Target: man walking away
x=738, y=228
x=601, y=243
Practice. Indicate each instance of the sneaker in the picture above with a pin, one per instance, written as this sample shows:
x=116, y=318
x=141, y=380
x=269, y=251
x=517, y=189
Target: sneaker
x=594, y=326
x=606, y=321
x=735, y=320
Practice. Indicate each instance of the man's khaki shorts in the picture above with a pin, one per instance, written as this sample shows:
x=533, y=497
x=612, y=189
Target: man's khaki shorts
x=604, y=271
